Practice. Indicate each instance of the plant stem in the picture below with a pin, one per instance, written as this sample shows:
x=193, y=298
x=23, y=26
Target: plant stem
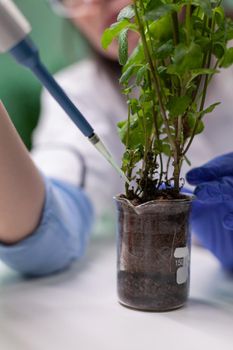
x=155, y=116
x=175, y=23
x=176, y=175
x=188, y=22
x=176, y=36
x=167, y=168
x=129, y=170
x=146, y=138
x=155, y=78
x=202, y=104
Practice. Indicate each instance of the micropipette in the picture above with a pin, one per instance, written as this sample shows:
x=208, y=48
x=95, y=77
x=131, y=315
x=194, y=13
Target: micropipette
x=14, y=38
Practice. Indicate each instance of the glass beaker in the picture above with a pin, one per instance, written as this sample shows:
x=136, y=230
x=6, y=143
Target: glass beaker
x=153, y=253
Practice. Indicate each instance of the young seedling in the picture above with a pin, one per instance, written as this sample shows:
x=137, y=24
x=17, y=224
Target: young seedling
x=181, y=46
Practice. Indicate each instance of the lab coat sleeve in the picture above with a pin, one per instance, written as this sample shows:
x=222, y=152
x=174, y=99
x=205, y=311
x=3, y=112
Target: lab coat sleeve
x=61, y=236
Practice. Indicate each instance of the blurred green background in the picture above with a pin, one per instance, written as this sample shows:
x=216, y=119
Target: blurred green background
x=19, y=90
x=228, y=3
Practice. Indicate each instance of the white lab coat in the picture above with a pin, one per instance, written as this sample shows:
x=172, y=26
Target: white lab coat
x=61, y=151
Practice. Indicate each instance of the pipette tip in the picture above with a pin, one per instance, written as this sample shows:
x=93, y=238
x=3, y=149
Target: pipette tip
x=99, y=145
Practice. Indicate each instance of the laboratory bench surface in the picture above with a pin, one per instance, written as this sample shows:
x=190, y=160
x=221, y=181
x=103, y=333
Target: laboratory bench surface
x=78, y=309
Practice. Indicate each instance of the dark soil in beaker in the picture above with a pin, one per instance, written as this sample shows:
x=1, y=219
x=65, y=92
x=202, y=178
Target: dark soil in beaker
x=153, y=254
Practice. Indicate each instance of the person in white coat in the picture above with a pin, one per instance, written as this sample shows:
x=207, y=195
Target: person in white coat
x=50, y=199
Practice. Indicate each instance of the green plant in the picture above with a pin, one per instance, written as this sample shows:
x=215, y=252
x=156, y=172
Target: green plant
x=181, y=45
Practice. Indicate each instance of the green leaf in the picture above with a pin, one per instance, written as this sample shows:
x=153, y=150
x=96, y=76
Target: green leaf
x=191, y=120
x=178, y=105
x=137, y=57
x=200, y=127
x=128, y=73
x=219, y=14
x=146, y=97
x=162, y=147
x=126, y=13
x=161, y=29
x=211, y=108
x=201, y=71
x=131, y=158
x=205, y=5
x=204, y=42
x=112, y=32
x=186, y=58
x=165, y=50
x=228, y=27
x=157, y=9
x=187, y=161
x=137, y=134
x=166, y=149
x=204, y=71
x=218, y=50
x=141, y=73
x=123, y=47
x=134, y=106
x=227, y=58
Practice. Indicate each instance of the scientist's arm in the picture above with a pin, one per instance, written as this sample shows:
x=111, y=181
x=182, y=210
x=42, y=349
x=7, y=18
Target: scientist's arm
x=44, y=223
x=21, y=185
x=72, y=172
x=212, y=214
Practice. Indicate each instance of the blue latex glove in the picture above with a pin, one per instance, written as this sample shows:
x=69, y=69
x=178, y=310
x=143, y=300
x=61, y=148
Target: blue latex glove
x=212, y=213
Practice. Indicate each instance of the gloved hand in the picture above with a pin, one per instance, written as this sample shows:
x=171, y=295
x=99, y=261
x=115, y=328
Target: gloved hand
x=212, y=213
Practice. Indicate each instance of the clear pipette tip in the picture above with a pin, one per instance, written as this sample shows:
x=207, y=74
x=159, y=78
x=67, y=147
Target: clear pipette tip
x=99, y=145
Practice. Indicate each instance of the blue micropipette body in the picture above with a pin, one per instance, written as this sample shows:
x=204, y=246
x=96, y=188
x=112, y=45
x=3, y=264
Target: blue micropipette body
x=26, y=53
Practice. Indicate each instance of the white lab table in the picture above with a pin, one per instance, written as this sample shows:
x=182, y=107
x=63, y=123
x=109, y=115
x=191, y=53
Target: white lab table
x=78, y=309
